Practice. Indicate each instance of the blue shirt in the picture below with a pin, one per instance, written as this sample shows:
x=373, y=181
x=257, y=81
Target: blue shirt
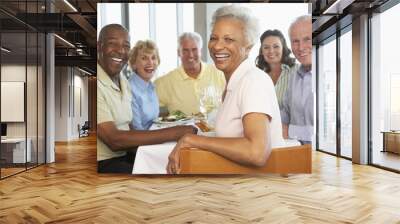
x=145, y=105
x=298, y=106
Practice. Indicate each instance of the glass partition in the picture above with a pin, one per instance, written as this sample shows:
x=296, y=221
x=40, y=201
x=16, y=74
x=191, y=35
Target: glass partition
x=31, y=98
x=13, y=87
x=41, y=96
x=22, y=87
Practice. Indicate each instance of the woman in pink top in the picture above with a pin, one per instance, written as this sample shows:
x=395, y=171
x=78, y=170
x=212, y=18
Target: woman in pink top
x=250, y=110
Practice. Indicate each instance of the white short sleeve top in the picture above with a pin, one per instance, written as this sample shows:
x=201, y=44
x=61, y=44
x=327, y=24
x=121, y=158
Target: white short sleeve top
x=249, y=90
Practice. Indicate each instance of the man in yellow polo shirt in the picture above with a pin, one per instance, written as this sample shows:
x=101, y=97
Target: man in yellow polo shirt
x=114, y=114
x=181, y=88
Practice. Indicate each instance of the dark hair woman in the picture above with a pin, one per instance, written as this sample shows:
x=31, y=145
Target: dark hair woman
x=274, y=58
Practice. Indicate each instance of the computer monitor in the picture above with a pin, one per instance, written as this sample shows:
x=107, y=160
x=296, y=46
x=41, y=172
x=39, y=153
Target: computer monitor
x=3, y=129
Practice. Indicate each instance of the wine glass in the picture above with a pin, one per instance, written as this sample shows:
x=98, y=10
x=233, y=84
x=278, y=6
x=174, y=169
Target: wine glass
x=210, y=99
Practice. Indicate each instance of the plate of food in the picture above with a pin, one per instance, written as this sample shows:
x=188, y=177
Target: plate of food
x=176, y=117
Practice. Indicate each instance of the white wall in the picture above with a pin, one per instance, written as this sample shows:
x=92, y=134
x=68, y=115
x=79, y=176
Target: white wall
x=71, y=93
x=33, y=127
x=61, y=103
x=15, y=73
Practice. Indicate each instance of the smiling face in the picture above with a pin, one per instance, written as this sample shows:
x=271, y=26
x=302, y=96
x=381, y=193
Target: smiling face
x=301, y=41
x=227, y=45
x=145, y=64
x=190, y=54
x=113, y=50
x=272, y=50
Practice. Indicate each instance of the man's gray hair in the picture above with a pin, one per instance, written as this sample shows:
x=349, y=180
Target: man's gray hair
x=251, y=28
x=192, y=36
x=306, y=18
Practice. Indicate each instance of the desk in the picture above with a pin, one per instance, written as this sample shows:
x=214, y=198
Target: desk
x=16, y=148
x=391, y=141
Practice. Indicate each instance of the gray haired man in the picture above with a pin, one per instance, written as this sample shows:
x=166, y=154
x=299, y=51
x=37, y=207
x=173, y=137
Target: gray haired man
x=297, y=111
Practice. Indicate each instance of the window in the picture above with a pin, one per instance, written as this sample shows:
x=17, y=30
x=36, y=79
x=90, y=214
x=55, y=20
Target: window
x=188, y=17
x=327, y=96
x=394, y=101
x=282, y=15
x=385, y=84
x=149, y=21
x=166, y=36
x=346, y=94
x=139, y=22
x=108, y=13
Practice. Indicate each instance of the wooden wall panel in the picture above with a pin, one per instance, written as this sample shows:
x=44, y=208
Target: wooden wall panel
x=92, y=85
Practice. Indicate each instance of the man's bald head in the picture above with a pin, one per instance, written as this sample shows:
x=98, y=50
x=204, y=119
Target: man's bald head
x=110, y=28
x=112, y=48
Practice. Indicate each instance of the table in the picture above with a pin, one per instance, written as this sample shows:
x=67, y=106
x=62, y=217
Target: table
x=391, y=141
x=153, y=159
x=13, y=150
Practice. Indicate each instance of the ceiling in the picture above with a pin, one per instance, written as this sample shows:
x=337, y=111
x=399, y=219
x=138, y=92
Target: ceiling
x=332, y=15
x=75, y=23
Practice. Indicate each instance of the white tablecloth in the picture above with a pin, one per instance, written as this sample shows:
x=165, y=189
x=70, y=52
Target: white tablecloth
x=152, y=159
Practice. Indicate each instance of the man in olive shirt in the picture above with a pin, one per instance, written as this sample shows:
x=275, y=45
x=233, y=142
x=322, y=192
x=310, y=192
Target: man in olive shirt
x=114, y=114
x=182, y=87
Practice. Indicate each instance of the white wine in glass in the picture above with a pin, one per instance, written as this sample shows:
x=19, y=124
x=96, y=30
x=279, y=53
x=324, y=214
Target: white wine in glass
x=210, y=98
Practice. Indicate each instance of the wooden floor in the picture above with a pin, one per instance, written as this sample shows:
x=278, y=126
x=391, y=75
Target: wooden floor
x=70, y=191
x=10, y=171
x=387, y=159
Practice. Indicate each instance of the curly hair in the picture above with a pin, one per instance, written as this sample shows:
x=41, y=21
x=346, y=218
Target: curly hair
x=146, y=46
x=244, y=15
x=286, y=59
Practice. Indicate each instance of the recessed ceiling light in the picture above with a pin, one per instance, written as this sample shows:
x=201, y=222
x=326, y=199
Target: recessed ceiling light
x=84, y=71
x=64, y=40
x=70, y=5
x=337, y=7
x=5, y=50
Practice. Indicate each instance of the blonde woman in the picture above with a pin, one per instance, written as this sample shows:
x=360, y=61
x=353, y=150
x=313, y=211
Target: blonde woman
x=144, y=60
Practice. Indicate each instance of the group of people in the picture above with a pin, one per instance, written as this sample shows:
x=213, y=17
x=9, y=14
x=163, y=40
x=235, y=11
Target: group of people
x=257, y=109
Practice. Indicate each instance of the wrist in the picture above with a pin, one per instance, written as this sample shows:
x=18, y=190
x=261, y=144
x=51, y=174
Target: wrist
x=185, y=140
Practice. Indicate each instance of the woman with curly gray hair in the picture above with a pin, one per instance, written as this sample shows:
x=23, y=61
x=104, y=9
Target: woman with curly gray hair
x=248, y=122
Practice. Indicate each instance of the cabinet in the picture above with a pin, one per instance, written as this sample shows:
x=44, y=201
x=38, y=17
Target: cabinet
x=13, y=150
x=391, y=141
